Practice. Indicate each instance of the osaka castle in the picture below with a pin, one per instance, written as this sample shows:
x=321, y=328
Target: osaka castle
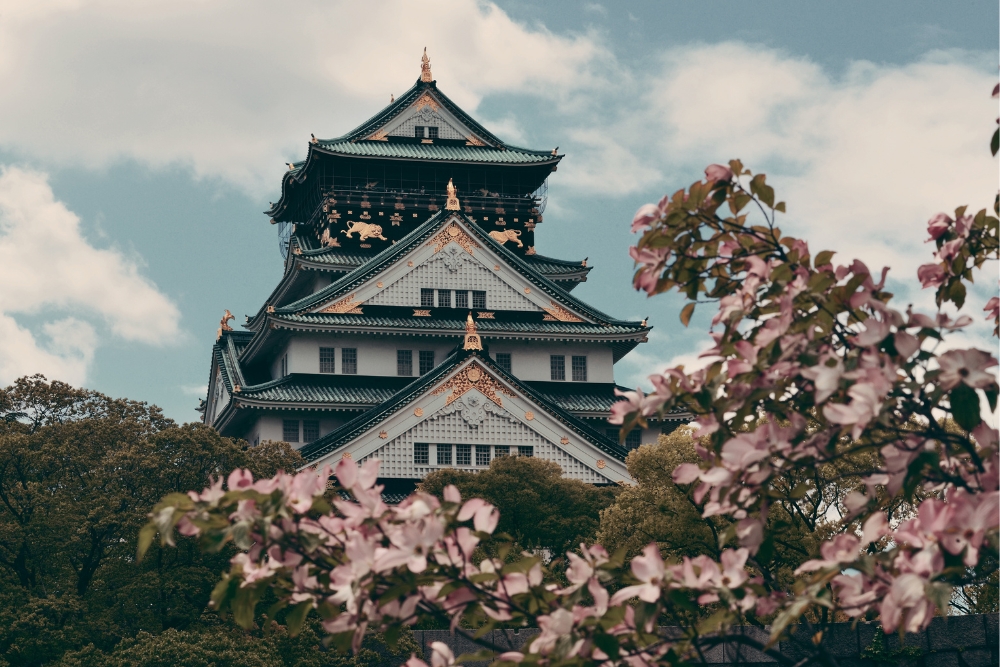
x=417, y=321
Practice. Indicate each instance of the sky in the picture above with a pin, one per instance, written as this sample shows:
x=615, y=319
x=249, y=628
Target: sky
x=141, y=141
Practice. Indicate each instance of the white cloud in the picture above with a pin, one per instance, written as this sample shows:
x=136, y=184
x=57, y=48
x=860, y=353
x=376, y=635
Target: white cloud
x=47, y=266
x=233, y=88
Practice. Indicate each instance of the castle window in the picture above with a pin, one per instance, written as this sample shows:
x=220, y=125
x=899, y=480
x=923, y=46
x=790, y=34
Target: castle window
x=421, y=453
x=418, y=131
x=482, y=455
x=557, y=367
x=426, y=361
x=444, y=455
x=444, y=298
x=310, y=430
x=327, y=360
x=349, y=361
x=426, y=298
x=404, y=362
x=461, y=299
x=432, y=133
x=501, y=450
x=478, y=299
x=290, y=430
x=579, y=369
x=525, y=450
x=284, y=365
x=463, y=455
x=503, y=361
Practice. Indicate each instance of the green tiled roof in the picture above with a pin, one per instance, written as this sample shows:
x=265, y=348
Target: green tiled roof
x=457, y=326
x=387, y=149
x=296, y=389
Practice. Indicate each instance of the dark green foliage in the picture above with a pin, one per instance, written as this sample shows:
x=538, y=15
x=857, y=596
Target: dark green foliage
x=538, y=507
x=79, y=471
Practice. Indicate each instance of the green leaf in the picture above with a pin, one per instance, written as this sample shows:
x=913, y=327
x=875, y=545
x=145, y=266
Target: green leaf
x=146, y=536
x=686, y=314
x=965, y=406
x=957, y=293
x=297, y=617
x=824, y=257
x=608, y=644
x=995, y=142
x=991, y=396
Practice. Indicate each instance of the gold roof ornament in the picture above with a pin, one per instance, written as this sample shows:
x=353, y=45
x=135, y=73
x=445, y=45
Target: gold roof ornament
x=425, y=68
x=452, y=204
x=472, y=341
x=224, y=323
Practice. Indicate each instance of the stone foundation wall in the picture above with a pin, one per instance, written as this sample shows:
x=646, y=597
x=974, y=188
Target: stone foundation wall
x=954, y=641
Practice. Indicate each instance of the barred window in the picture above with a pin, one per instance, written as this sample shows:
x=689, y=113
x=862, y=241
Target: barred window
x=482, y=455
x=404, y=362
x=432, y=133
x=444, y=298
x=525, y=450
x=444, y=455
x=463, y=455
x=349, y=361
x=579, y=369
x=421, y=453
x=557, y=367
x=633, y=439
x=503, y=361
x=501, y=450
x=327, y=360
x=478, y=299
x=461, y=299
x=418, y=131
x=426, y=298
x=426, y=361
x=290, y=430
x=310, y=430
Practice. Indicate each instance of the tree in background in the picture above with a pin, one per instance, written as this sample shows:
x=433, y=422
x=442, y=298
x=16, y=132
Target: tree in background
x=539, y=508
x=815, y=384
x=79, y=473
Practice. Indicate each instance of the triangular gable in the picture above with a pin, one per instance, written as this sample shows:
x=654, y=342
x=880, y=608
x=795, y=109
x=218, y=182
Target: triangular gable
x=470, y=403
x=452, y=258
x=427, y=110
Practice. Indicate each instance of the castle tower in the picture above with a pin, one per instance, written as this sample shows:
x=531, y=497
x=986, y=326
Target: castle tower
x=415, y=321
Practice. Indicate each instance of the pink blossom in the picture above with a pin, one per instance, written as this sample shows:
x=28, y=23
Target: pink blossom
x=906, y=605
x=841, y=549
x=992, y=308
x=647, y=568
x=212, y=494
x=635, y=401
x=484, y=516
x=554, y=626
x=931, y=275
x=865, y=406
x=874, y=528
x=717, y=172
x=854, y=593
x=875, y=331
x=686, y=473
x=938, y=225
x=645, y=216
x=239, y=480
x=825, y=376
x=968, y=366
x=950, y=250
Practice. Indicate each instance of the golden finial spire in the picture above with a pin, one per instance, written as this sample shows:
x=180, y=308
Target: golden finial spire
x=452, y=203
x=425, y=68
x=392, y=98
x=472, y=341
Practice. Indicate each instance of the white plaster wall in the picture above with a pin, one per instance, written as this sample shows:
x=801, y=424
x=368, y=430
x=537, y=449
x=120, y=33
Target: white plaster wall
x=530, y=361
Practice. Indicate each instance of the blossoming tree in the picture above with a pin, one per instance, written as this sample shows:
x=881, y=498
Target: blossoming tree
x=812, y=370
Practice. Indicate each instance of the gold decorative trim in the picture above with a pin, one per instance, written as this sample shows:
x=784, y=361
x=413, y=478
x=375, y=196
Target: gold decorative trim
x=418, y=412
x=346, y=305
x=395, y=218
x=379, y=135
x=378, y=284
x=365, y=215
x=473, y=140
x=560, y=313
x=346, y=455
x=530, y=250
x=237, y=389
x=496, y=267
x=463, y=381
x=527, y=290
x=426, y=100
x=502, y=236
x=410, y=263
x=270, y=309
x=433, y=207
x=383, y=435
x=472, y=341
x=452, y=203
x=601, y=464
x=529, y=415
x=564, y=440
x=453, y=233
x=486, y=315
x=421, y=313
